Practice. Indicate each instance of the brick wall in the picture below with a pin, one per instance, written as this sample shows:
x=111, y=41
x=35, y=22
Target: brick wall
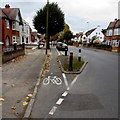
x=7, y=56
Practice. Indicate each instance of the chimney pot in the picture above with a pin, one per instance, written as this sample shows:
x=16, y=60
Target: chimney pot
x=115, y=19
x=7, y=6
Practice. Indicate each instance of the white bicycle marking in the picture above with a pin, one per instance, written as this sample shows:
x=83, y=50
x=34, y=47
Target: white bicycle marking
x=54, y=80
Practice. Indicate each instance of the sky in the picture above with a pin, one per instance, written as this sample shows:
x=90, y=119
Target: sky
x=80, y=15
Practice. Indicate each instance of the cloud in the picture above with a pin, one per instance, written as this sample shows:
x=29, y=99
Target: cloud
x=77, y=12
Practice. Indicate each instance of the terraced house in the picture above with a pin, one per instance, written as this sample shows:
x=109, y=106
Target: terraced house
x=112, y=36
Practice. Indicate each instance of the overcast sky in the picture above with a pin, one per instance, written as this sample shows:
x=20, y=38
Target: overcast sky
x=80, y=15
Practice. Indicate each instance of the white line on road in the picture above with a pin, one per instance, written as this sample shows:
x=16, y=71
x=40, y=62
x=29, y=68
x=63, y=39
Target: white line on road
x=65, y=94
x=59, y=101
x=65, y=80
x=73, y=82
x=61, y=52
x=52, y=111
x=34, y=48
x=58, y=52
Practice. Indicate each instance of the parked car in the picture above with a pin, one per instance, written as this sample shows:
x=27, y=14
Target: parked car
x=61, y=46
x=41, y=45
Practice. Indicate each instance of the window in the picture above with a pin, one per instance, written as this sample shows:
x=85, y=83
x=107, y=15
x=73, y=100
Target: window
x=27, y=40
x=84, y=38
x=14, y=39
x=22, y=28
x=27, y=29
x=13, y=25
x=22, y=39
x=109, y=33
x=115, y=43
x=7, y=24
x=100, y=37
x=7, y=41
x=117, y=31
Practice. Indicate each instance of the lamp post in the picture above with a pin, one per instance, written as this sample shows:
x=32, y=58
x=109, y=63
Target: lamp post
x=47, y=25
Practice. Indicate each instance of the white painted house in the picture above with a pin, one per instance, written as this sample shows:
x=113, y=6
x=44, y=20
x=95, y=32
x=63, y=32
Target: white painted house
x=25, y=36
x=88, y=35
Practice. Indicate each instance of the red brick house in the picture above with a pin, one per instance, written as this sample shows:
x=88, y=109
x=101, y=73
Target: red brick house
x=112, y=36
x=10, y=20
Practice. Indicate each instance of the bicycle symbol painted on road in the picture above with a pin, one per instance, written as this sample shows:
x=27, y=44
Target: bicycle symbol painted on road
x=54, y=80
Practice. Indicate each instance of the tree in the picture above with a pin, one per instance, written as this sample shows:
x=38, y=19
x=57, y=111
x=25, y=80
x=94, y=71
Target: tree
x=94, y=38
x=55, y=20
x=68, y=35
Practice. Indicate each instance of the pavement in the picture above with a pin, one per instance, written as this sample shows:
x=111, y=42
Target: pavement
x=18, y=81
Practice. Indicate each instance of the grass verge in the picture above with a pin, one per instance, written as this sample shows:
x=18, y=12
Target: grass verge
x=76, y=64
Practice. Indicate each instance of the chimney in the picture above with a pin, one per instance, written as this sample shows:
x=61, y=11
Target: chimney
x=7, y=6
x=115, y=19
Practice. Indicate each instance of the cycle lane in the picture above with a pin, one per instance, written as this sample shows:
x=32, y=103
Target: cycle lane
x=48, y=96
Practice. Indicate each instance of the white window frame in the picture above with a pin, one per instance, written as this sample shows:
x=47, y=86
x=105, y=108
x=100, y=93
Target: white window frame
x=13, y=39
x=7, y=24
x=109, y=32
x=13, y=25
x=117, y=31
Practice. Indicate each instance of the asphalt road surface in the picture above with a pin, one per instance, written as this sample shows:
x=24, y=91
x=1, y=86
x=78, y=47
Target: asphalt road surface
x=91, y=94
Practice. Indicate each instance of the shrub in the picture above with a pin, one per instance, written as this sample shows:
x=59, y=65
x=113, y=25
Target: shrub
x=70, y=42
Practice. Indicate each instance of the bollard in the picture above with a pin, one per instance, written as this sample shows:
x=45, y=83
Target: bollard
x=65, y=52
x=71, y=61
x=79, y=50
x=23, y=46
x=15, y=46
x=79, y=58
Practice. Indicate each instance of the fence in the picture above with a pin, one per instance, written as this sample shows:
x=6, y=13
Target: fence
x=11, y=52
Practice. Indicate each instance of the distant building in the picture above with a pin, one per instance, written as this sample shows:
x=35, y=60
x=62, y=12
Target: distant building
x=10, y=19
x=35, y=37
x=88, y=35
x=77, y=37
x=113, y=35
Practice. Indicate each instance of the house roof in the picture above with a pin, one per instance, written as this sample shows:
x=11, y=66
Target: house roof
x=10, y=13
x=2, y=14
x=104, y=31
x=111, y=25
x=115, y=24
x=89, y=32
x=34, y=33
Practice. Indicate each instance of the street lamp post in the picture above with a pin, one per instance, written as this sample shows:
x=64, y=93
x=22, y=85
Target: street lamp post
x=47, y=25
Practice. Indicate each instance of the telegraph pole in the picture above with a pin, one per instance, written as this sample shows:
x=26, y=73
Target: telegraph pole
x=47, y=26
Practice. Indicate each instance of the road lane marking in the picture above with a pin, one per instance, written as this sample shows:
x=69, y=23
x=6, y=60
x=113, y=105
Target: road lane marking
x=65, y=94
x=61, y=52
x=52, y=111
x=58, y=52
x=65, y=80
x=73, y=82
x=59, y=101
